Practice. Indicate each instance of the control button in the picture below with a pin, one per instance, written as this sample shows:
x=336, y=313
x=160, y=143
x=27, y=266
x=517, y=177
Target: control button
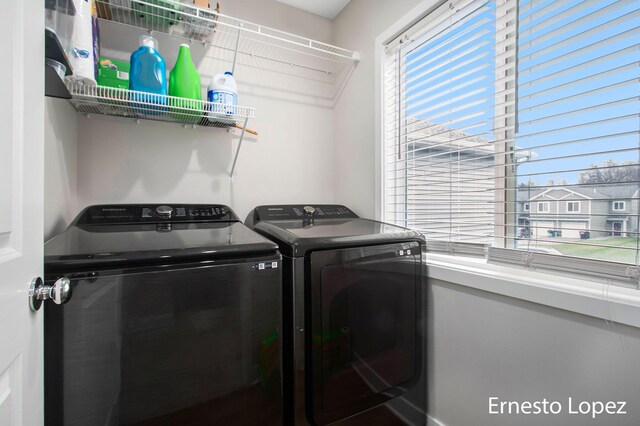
x=164, y=211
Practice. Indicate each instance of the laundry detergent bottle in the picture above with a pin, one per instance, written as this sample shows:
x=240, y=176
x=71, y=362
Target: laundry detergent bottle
x=184, y=84
x=148, y=73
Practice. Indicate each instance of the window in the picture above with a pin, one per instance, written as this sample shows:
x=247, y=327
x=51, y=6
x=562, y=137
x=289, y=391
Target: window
x=438, y=125
x=618, y=206
x=573, y=206
x=489, y=104
x=543, y=207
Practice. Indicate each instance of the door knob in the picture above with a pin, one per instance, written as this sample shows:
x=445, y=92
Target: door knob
x=59, y=292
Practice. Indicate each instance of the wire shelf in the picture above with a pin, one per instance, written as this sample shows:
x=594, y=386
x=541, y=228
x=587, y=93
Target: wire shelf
x=238, y=40
x=136, y=105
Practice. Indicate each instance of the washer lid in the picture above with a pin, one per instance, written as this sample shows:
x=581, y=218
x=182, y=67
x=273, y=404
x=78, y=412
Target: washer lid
x=87, y=246
x=298, y=237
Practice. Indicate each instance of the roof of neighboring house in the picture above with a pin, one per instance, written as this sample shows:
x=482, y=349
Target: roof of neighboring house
x=425, y=134
x=422, y=132
x=525, y=194
x=598, y=192
x=590, y=191
x=625, y=190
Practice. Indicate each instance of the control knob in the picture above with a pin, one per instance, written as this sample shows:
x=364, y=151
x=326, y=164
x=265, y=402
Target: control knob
x=164, y=211
x=309, y=211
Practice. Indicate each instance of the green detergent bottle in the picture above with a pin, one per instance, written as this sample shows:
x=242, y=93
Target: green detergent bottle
x=184, y=83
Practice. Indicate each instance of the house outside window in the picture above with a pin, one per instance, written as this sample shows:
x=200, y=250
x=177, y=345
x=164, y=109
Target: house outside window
x=618, y=206
x=573, y=206
x=526, y=207
x=544, y=207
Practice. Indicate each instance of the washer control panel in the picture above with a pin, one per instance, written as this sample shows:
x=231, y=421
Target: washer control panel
x=315, y=211
x=130, y=213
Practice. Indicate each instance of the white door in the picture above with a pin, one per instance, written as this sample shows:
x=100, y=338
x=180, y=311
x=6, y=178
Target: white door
x=540, y=228
x=21, y=209
x=572, y=229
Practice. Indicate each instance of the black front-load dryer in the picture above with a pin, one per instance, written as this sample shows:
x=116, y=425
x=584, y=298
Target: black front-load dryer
x=353, y=306
x=174, y=319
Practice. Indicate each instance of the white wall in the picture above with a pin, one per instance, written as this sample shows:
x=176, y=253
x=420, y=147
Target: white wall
x=279, y=16
x=60, y=184
x=356, y=28
x=482, y=345
x=153, y=162
x=118, y=161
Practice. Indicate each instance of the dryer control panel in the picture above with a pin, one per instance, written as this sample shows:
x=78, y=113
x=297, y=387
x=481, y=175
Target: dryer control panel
x=301, y=211
x=154, y=213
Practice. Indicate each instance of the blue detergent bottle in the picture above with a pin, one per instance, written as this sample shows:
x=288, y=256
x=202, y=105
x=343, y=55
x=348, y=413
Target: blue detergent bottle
x=148, y=73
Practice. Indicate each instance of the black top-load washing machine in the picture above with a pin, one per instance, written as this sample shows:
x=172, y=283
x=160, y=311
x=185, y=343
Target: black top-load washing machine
x=174, y=318
x=353, y=316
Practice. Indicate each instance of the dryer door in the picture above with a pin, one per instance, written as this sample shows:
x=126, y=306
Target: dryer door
x=365, y=307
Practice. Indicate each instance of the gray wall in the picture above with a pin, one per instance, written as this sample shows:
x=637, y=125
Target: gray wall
x=356, y=28
x=482, y=344
x=61, y=157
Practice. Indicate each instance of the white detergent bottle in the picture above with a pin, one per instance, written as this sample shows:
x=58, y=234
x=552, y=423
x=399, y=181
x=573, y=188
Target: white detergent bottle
x=224, y=92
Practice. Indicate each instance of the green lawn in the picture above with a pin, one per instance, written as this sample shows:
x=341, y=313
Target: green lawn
x=624, y=250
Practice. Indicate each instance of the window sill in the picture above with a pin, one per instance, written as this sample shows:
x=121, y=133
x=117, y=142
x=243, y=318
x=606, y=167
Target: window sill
x=587, y=297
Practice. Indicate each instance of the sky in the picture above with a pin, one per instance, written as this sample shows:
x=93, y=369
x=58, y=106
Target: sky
x=565, y=66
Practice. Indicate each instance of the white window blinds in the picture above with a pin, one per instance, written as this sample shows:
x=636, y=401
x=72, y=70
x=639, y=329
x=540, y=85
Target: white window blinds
x=449, y=113
x=578, y=127
x=516, y=125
